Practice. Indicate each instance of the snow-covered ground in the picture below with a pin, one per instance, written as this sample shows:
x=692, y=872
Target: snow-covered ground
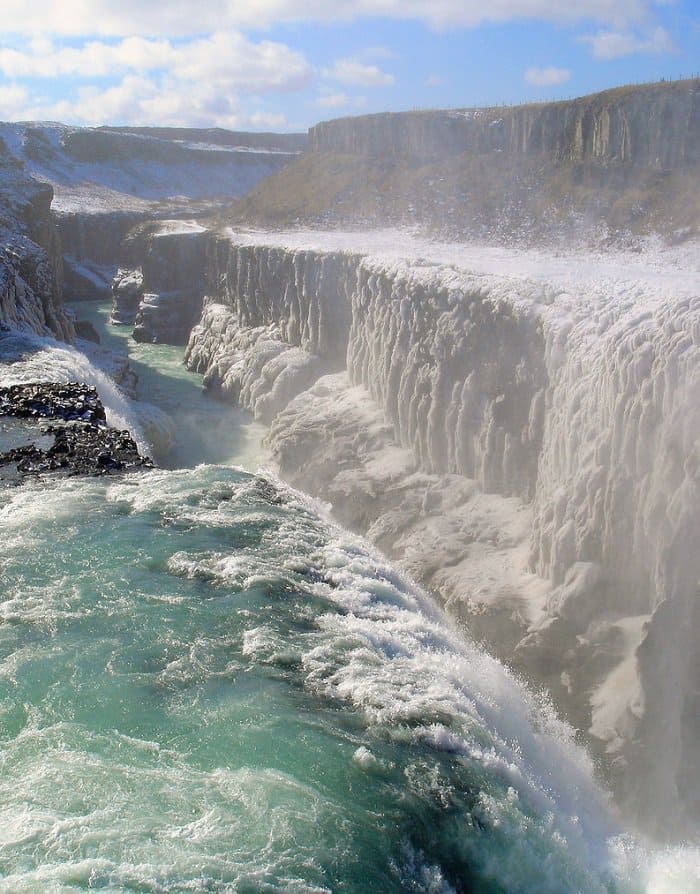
x=651, y=261
x=138, y=171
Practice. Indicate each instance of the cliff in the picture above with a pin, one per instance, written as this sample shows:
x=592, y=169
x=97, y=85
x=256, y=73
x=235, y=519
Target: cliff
x=105, y=180
x=31, y=263
x=521, y=434
x=163, y=298
x=656, y=125
x=109, y=169
x=621, y=162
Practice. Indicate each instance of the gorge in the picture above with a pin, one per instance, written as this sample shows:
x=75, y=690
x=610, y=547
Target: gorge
x=516, y=428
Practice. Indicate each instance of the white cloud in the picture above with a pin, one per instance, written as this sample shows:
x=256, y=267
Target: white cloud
x=616, y=44
x=140, y=100
x=547, y=77
x=226, y=58
x=168, y=18
x=196, y=82
x=339, y=100
x=353, y=71
x=13, y=101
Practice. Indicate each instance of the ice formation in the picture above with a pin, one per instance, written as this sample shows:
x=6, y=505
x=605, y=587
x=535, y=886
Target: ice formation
x=521, y=431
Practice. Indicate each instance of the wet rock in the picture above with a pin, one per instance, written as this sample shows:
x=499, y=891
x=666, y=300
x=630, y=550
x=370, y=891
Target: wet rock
x=85, y=329
x=127, y=292
x=53, y=400
x=83, y=443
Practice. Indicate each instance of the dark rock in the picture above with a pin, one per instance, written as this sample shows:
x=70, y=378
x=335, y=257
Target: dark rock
x=85, y=329
x=127, y=292
x=83, y=443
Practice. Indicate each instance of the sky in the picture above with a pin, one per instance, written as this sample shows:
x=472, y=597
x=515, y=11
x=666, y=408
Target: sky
x=284, y=65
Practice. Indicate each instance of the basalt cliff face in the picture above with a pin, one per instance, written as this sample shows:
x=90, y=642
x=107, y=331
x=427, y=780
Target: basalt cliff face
x=656, y=126
x=608, y=166
x=171, y=286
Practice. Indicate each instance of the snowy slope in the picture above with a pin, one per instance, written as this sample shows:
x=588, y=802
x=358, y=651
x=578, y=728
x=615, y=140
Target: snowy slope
x=93, y=170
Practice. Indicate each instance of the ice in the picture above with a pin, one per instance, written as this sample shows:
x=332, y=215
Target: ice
x=521, y=430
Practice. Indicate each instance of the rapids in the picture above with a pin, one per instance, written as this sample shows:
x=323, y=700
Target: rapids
x=208, y=686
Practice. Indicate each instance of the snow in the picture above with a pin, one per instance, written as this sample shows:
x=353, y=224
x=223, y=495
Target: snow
x=491, y=413
x=664, y=267
x=130, y=183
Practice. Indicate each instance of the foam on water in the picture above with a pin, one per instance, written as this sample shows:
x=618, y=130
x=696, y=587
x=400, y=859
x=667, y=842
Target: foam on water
x=45, y=360
x=220, y=692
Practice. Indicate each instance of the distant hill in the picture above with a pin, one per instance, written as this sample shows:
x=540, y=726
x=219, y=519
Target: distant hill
x=98, y=170
x=217, y=136
x=625, y=160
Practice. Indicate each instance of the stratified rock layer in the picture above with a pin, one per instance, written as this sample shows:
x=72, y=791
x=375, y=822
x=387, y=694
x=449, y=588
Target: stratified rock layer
x=653, y=125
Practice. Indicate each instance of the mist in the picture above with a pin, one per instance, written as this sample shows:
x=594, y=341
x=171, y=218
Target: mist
x=423, y=393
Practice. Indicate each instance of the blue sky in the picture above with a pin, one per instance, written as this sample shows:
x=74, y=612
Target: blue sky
x=286, y=64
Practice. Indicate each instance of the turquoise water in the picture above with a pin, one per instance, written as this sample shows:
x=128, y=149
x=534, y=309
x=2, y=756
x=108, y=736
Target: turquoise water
x=207, y=430
x=206, y=686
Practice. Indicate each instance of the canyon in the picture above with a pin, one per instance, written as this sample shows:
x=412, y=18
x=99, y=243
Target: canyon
x=516, y=426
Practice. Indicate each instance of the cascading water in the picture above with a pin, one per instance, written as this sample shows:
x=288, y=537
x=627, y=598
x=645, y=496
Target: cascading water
x=205, y=685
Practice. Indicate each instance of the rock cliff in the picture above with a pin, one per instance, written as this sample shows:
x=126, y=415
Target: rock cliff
x=613, y=165
x=655, y=125
x=169, y=285
x=106, y=180
x=31, y=263
x=524, y=444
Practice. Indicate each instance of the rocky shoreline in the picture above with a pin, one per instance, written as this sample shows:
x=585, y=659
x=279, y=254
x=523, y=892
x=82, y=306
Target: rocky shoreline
x=78, y=441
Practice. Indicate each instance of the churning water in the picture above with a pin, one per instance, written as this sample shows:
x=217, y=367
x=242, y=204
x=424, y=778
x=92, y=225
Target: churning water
x=206, y=686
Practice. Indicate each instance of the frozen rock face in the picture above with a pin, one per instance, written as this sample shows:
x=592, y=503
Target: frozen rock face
x=31, y=268
x=254, y=367
x=168, y=287
x=616, y=516
x=526, y=445
x=457, y=369
x=91, y=245
x=283, y=322
x=94, y=238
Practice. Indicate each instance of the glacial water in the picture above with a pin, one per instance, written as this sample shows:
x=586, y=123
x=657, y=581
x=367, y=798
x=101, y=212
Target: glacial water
x=207, y=686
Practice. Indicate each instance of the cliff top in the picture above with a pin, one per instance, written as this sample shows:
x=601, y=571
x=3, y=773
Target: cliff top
x=624, y=161
x=611, y=97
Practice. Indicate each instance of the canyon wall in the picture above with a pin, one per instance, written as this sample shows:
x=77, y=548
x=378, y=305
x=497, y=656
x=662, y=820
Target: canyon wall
x=106, y=180
x=31, y=260
x=529, y=450
x=605, y=168
x=654, y=125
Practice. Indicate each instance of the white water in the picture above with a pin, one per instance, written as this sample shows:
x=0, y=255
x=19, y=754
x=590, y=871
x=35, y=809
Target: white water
x=385, y=651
